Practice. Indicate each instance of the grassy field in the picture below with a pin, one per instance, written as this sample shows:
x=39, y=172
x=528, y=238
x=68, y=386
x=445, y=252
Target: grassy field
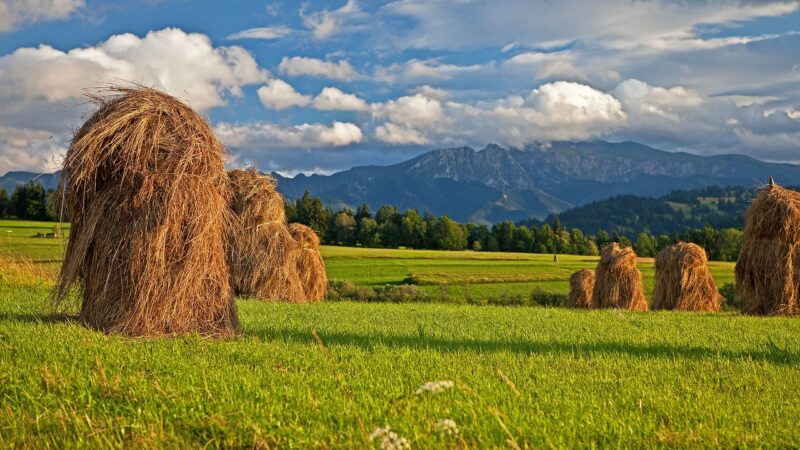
x=327, y=375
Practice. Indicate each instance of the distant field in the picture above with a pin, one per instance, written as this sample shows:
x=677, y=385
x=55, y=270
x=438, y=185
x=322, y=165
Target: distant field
x=479, y=275
x=523, y=377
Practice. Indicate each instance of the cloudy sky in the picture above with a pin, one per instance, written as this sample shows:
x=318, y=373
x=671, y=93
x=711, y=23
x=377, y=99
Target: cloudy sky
x=323, y=86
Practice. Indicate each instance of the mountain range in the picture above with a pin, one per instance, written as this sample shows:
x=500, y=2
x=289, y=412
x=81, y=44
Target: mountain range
x=496, y=183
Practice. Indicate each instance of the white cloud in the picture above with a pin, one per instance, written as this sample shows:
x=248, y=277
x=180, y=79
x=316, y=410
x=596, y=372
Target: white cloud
x=26, y=149
x=184, y=64
x=431, y=92
x=415, y=70
x=265, y=135
x=15, y=13
x=332, y=99
x=265, y=33
x=324, y=24
x=561, y=68
x=301, y=65
x=278, y=94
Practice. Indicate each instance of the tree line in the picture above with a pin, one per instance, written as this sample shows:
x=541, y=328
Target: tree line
x=31, y=201
x=388, y=227
x=391, y=228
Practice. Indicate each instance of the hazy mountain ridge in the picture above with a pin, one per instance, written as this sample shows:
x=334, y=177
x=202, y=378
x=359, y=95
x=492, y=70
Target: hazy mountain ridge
x=496, y=184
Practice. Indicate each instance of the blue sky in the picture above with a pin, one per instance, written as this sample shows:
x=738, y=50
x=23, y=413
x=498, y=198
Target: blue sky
x=323, y=86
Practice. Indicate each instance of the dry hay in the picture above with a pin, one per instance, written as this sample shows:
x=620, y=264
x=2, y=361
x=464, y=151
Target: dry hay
x=146, y=191
x=262, y=254
x=581, y=285
x=618, y=283
x=683, y=281
x=310, y=265
x=768, y=269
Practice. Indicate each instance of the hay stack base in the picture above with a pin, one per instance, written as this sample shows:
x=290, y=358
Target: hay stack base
x=146, y=189
x=683, y=281
x=618, y=283
x=768, y=268
x=266, y=260
x=581, y=286
x=310, y=265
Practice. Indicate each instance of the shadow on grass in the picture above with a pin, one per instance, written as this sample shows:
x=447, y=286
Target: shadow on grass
x=774, y=354
x=38, y=318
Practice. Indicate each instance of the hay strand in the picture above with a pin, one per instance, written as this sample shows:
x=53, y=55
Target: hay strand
x=618, y=283
x=581, y=285
x=146, y=191
x=768, y=268
x=683, y=281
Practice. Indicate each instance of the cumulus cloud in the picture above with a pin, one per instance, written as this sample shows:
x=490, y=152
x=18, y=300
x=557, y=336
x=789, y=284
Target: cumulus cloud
x=333, y=99
x=555, y=111
x=15, y=13
x=300, y=65
x=183, y=64
x=26, y=149
x=326, y=23
x=415, y=70
x=266, y=135
x=264, y=33
x=278, y=94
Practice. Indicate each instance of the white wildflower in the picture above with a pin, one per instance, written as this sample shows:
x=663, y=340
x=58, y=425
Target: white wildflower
x=390, y=440
x=434, y=387
x=447, y=426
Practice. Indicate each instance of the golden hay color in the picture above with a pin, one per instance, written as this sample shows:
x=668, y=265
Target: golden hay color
x=618, y=283
x=310, y=265
x=146, y=189
x=262, y=254
x=683, y=281
x=768, y=268
x=581, y=285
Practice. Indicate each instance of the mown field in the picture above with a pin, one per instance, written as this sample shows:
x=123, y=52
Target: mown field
x=326, y=375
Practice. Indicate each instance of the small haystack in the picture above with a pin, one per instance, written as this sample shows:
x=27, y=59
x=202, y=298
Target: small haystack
x=618, y=283
x=768, y=269
x=581, y=285
x=262, y=254
x=310, y=265
x=146, y=191
x=683, y=281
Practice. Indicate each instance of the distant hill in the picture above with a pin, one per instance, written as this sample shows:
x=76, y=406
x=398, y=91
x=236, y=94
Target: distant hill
x=10, y=180
x=673, y=213
x=496, y=184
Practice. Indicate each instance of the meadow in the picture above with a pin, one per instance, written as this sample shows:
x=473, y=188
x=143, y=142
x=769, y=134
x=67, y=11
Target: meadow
x=327, y=375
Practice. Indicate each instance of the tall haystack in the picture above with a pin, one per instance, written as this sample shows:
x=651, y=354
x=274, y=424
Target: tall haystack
x=618, y=283
x=310, y=265
x=262, y=254
x=683, y=281
x=581, y=285
x=768, y=269
x=146, y=190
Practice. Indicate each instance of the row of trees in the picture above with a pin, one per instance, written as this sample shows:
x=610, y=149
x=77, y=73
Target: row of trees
x=389, y=227
x=30, y=201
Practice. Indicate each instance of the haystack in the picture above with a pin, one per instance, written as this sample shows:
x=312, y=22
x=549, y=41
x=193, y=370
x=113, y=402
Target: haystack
x=262, y=254
x=683, y=281
x=581, y=285
x=310, y=265
x=146, y=191
x=768, y=269
x=618, y=283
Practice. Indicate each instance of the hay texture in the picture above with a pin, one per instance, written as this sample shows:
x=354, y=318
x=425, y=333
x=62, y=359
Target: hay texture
x=768, y=268
x=618, y=283
x=581, y=285
x=146, y=189
x=262, y=254
x=683, y=281
x=310, y=266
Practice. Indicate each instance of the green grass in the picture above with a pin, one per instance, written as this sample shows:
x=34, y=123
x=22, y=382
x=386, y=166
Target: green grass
x=526, y=376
